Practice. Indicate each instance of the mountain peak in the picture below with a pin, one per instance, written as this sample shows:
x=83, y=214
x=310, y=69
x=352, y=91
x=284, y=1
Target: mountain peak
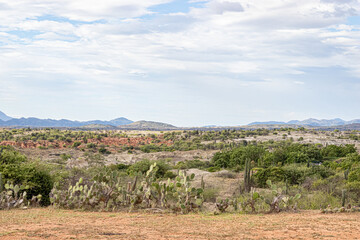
x=4, y=117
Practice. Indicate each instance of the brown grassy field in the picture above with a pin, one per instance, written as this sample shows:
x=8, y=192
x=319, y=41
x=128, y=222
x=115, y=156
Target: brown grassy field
x=62, y=224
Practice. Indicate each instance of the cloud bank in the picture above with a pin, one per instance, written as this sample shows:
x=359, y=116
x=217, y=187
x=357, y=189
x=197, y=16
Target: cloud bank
x=183, y=62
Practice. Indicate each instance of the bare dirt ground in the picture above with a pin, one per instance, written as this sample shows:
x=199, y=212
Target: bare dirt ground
x=123, y=157
x=63, y=224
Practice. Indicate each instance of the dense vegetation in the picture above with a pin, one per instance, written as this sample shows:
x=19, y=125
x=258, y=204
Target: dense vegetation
x=328, y=170
x=301, y=175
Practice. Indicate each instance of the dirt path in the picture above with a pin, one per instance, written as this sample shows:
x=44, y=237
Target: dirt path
x=60, y=224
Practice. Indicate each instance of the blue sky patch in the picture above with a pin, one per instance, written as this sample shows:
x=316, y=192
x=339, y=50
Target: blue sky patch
x=176, y=7
x=353, y=20
x=67, y=20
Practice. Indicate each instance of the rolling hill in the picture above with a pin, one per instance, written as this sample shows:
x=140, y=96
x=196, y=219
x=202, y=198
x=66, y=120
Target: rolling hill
x=148, y=125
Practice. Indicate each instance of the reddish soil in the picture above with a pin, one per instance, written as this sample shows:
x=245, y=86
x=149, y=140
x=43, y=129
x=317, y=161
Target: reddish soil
x=61, y=224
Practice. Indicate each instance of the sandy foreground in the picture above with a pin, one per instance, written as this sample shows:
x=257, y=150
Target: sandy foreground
x=50, y=223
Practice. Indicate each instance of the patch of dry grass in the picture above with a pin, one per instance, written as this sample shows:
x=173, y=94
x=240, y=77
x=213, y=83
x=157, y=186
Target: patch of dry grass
x=62, y=224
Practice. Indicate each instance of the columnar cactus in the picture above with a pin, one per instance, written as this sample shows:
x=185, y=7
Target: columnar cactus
x=343, y=197
x=1, y=183
x=247, y=175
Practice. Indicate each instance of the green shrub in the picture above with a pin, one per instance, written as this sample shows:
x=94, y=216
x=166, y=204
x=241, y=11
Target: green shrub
x=76, y=144
x=150, y=148
x=193, y=164
x=237, y=156
x=213, y=169
x=275, y=174
x=317, y=200
x=297, y=157
x=169, y=174
x=103, y=150
x=9, y=156
x=91, y=145
x=119, y=166
x=210, y=194
x=321, y=171
x=144, y=165
x=39, y=182
x=16, y=169
x=354, y=175
x=333, y=151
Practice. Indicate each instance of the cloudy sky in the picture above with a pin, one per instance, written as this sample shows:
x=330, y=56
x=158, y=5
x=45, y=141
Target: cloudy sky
x=184, y=62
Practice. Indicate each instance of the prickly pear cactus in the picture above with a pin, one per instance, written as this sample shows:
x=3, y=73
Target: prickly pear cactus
x=15, y=196
x=107, y=192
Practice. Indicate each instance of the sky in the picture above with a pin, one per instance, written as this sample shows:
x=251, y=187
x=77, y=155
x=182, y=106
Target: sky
x=187, y=63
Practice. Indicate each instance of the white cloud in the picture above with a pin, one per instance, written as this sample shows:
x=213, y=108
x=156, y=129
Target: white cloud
x=232, y=43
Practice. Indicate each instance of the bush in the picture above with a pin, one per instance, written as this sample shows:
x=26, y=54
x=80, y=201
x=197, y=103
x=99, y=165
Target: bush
x=193, y=164
x=226, y=174
x=333, y=151
x=27, y=174
x=354, y=175
x=213, y=169
x=16, y=169
x=275, y=174
x=150, y=148
x=119, y=167
x=322, y=171
x=91, y=145
x=144, y=165
x=297, y=157
x=103, y=150
x=318, y=200
x=237, y=156
x=9, y=156
x=76, y=144
x=170, y=175
x=210, y=194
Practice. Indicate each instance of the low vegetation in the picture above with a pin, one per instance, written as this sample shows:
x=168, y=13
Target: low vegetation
x=270, y=176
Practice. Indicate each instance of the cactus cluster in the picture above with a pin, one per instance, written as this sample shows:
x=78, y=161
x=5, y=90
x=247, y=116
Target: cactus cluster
x=222, y=205
x=253, y=199
x=15, y=196
x=280, y=201
x=348, y=209
x=107, y=192
x=277, y=201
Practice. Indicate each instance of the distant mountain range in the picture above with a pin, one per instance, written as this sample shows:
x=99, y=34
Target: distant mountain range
x=118, y=123
x=310, y=122
x=36, y=122
x=124, y=123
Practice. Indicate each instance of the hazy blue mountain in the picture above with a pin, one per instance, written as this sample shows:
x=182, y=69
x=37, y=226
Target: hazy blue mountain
x=4, y=117
x=312, y=122
x=316, y=122
x=36, y=122
x=120, y=121
x=149, y=125
x=266, y=123
x=114, y=122
x=354, y=121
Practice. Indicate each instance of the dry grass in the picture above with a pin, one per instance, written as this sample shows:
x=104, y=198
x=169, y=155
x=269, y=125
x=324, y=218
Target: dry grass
x=61, y=224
